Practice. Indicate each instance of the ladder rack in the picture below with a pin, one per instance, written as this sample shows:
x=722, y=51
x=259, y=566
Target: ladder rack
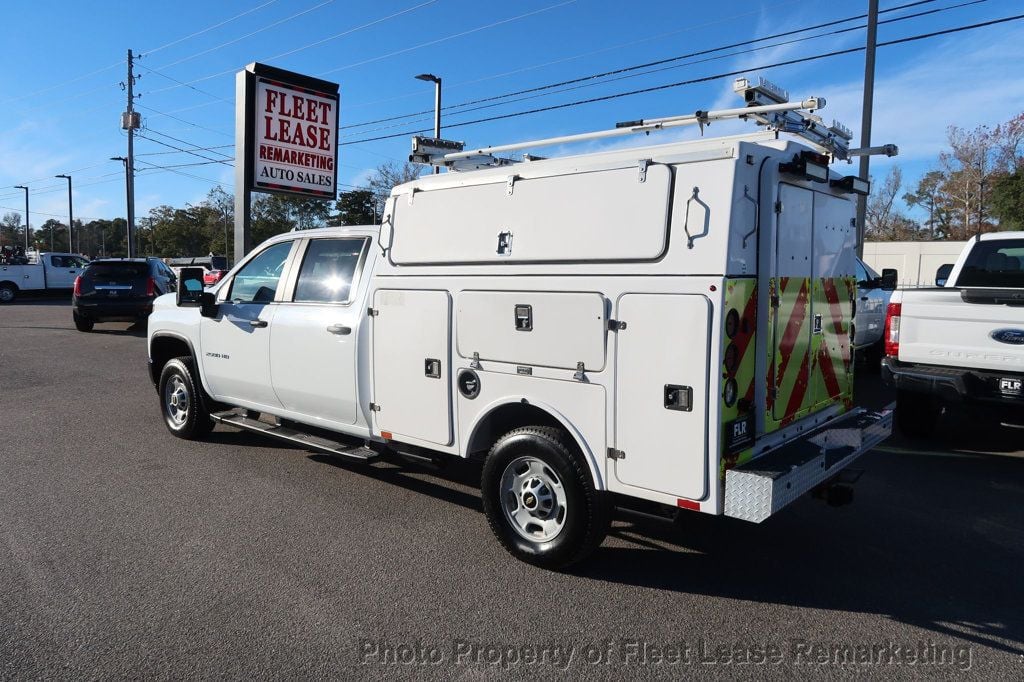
x=767, y=104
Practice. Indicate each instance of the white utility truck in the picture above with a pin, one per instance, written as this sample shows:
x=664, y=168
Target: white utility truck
x=668, y=323
x=960, y=346
x=48, y=271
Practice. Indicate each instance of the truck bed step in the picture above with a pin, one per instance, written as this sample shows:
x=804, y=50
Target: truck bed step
x=354, y=449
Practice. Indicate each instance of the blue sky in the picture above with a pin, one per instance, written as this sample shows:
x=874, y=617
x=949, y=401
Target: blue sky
x=63, y=61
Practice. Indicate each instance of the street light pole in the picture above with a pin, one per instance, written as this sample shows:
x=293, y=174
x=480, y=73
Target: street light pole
x=436, y=80
x=128, y=197
x=26, y=214
x=71, y=218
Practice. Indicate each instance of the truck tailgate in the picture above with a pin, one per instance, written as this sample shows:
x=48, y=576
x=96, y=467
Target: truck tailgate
x=937, y=327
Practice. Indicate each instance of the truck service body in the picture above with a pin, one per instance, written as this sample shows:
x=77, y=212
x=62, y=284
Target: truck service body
x=672, y=320
x=50, y=271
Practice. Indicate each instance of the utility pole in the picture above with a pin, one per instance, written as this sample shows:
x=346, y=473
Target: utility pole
x=865, y=123
x=71, y=218
x=26, y=214
x=130, y=122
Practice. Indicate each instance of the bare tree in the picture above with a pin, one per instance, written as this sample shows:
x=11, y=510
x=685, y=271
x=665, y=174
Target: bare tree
x=387, y=177
x=884, y=220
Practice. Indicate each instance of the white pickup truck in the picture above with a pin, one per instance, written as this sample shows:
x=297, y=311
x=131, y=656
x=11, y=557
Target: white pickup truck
x=667, y=323
x=961, y=346
x=49, y=271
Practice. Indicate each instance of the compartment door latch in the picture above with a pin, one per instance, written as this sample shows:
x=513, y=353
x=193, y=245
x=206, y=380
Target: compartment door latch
x=679, y=398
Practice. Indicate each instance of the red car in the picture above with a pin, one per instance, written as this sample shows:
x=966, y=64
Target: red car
x=211, y=277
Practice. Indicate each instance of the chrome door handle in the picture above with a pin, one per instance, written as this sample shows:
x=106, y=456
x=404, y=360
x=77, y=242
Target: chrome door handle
x=257, y=323
x=339, y=329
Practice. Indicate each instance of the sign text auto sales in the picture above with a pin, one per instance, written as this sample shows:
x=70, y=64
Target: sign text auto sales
x=296, y=137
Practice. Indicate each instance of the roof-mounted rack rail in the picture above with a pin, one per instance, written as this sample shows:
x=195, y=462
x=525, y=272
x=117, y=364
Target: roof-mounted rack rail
x=766, y=103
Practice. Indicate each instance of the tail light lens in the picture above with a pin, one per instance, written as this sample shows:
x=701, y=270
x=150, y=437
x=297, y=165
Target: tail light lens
x=892, y=329
x=78, y=286
x=150, y=287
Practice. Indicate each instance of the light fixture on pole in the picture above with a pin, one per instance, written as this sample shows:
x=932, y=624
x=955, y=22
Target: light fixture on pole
x=436, y=80
x=71, y=217
x=26, y=214
x=128, y=196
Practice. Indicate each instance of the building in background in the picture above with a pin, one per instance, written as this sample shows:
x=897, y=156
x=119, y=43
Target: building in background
x=915, y=261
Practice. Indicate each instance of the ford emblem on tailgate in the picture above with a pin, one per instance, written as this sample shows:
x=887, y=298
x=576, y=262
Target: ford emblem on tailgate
x=1013, y=337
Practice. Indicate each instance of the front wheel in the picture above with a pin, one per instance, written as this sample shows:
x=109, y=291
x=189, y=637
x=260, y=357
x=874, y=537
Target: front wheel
x=7, y=293
x=540, y=500
x=181, y=400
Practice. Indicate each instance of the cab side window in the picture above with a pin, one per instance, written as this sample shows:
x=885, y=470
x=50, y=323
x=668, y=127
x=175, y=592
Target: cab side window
x=328, y=270
x=257, y=281
x=862, y=274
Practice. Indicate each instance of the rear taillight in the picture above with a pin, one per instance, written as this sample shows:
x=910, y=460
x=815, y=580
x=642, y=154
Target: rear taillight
x=892, y=329
x=150, y=287
x=78, y=286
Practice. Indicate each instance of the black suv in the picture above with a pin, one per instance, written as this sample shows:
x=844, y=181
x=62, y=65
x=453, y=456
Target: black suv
x=119, y=290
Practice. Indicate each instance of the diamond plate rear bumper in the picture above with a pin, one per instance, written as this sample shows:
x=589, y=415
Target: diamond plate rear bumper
x=758, y=489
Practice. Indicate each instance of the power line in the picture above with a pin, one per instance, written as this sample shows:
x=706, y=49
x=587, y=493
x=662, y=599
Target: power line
x=359, y=28
x=194, y=149
x=207, y=29
x=180, y=149
x=447, y=38
x=159, y=169
x=533, y=67
x=658, y=62
x=247, y=35
x=693, y=81
x=181, y=120
x=544, y=91
x=190, y=87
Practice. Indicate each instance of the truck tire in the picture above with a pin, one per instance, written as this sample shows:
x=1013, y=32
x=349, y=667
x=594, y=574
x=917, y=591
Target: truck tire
x=8, y=292
x=83, y=324
x=540, y=500
x=916, y=413
x=182, y=400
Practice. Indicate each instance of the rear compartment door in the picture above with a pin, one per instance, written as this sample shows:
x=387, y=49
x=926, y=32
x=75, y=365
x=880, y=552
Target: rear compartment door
x=411, y=364
x=834, y=289
x=791, y=303
x=661, y=394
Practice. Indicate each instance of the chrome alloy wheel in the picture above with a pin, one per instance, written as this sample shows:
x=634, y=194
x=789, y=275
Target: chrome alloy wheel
x=533, y=499
x=176, y=401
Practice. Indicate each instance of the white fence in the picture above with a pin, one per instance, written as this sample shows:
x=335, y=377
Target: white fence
x=915, y=261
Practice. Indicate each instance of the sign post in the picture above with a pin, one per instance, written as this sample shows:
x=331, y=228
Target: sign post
x=286, y=140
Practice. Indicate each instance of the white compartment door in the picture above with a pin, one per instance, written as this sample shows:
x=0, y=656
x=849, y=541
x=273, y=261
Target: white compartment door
x=411, y=364
x=661, y=394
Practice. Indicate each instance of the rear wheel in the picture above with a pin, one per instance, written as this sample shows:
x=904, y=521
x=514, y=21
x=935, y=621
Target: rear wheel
x=917, y=413
x=83, y=324
x=7, y=293
x=182, y=401
x=540, y=500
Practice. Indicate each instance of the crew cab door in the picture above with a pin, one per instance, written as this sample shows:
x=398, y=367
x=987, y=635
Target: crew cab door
x=315, y=333
x=61, y=271
x=236, y=343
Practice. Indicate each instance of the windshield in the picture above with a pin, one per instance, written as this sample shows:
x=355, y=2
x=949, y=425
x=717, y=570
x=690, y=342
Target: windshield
x=116, y=272
x=997, y=263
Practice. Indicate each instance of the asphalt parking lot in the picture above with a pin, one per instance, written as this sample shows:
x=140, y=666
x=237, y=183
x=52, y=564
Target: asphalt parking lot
x=127, y=553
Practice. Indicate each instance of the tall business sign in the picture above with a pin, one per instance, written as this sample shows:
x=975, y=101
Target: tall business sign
x=286, y=140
